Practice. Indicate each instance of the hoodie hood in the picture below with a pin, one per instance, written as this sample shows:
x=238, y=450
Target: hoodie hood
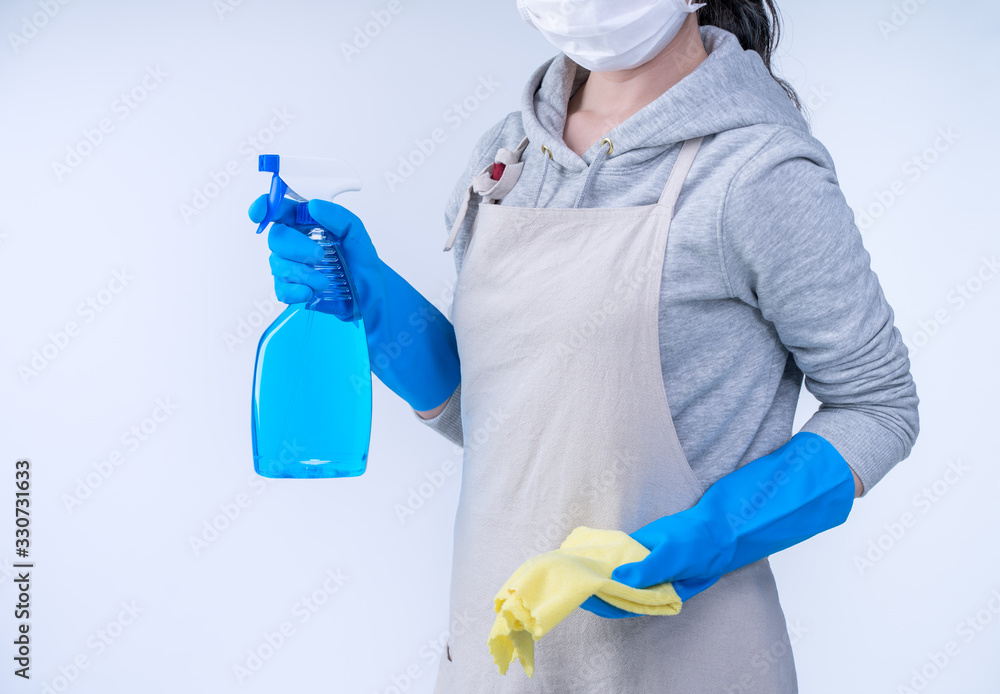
x=730, y=89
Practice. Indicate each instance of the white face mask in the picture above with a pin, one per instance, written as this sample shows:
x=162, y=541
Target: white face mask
x=606, y=35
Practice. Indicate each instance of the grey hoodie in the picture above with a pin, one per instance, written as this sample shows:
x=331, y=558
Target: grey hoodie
x=772, y=284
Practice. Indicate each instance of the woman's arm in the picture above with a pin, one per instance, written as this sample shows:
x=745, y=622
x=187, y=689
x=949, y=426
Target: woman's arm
x=859, y=488
x=431, y=414
x=446, y=419
x=790, y=247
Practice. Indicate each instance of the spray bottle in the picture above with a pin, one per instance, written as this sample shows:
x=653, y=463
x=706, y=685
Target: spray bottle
x=312, y=392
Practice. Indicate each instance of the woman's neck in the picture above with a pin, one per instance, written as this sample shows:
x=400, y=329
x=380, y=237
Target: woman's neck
x=609, y=98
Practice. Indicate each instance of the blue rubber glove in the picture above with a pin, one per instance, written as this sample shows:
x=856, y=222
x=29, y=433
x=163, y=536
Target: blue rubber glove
x=411, y=343
x=769, y=504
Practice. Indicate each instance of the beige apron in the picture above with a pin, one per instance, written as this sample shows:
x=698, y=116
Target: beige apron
x=565, y=423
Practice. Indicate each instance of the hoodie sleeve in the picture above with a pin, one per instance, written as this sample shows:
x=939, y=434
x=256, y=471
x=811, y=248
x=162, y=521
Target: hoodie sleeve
x=791, y=248
x=448, y=422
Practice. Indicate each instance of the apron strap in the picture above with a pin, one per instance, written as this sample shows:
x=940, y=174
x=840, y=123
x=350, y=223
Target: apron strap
x=672, y=190
x=492, y=190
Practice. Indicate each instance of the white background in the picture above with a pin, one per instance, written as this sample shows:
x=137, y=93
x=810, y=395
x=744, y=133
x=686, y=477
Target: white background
x=878, y=98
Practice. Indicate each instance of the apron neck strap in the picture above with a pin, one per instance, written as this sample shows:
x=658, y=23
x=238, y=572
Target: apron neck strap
x=679, y=172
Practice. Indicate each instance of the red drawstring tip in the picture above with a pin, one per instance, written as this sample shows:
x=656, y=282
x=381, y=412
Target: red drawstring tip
x=497, y=171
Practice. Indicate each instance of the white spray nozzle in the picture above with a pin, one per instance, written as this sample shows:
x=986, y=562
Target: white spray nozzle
x=305, y=178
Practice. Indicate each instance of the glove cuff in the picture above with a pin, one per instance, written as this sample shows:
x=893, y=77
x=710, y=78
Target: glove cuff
x=801, y=489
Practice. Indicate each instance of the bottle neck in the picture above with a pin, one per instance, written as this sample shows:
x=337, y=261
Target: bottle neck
x=337, y=297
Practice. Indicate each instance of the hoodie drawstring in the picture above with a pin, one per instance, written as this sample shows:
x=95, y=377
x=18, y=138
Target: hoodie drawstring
x=586, y=193
x=545, y=170
x=588, y=184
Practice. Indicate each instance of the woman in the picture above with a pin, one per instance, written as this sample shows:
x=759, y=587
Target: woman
x=613, y=379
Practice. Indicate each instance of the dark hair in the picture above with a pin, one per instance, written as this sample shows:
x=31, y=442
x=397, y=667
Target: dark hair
x=756, y=25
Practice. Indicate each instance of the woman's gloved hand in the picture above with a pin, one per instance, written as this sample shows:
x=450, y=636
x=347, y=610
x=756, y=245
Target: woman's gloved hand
x=774, y=502
x=411, y=343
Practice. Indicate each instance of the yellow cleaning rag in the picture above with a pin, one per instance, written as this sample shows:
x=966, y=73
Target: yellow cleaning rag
x=548, y=587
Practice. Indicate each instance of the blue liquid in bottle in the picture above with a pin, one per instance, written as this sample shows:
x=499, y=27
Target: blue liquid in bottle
x=312, y=391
